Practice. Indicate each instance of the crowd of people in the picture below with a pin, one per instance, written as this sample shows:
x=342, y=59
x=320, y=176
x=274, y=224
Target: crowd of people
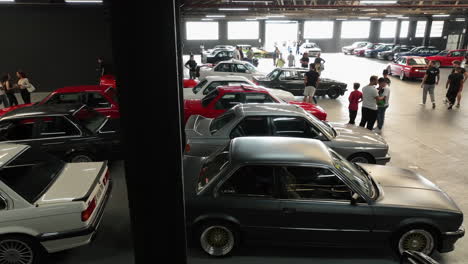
x=8, y=88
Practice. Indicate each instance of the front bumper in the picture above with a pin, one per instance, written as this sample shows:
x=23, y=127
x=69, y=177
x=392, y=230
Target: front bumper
x=59, y=241
x=448, y=239
x=382, y=160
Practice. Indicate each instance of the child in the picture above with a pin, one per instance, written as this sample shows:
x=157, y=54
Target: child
x=385, y=76
x=354, y=99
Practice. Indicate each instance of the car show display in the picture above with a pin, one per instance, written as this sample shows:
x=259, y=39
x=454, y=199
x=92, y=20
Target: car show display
x=421, y=51
x=408, y=67
x=446, y=57
x=372, y=53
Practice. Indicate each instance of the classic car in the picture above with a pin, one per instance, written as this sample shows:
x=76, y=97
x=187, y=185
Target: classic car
x=446, y=57
x=190, y=83
x=217, y=47
x=205, y=135
x=408, y=67
x=48, y=205
x=311, y=48
x=108, y=80
x=362, y=51
x=74, y=133
x=224, y=98
x=102, y=98
x=421, y=51
x=389, y=54
x=217, y=56
x=261, y=53
x=211, y=82
x=372, y=53
x=231, y=67
x=356, y=45
x=292, y=80
x=296, y=191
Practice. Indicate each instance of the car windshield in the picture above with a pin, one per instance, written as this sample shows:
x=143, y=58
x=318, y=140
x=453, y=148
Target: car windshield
x=213, y=165
x=354, y=173
x=250, y=67
x=417, y=61
x=414, y=49
x=386, y=47
x=443, y=53
x=370, y=45
x=199, y=86
x=221, y=121
x=31, y=173
x=90, y=118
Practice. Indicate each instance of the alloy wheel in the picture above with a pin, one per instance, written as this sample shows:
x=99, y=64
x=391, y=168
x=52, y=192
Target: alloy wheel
x=417, y=240
x=437, y=64
x=217, y=240
x=15, y=252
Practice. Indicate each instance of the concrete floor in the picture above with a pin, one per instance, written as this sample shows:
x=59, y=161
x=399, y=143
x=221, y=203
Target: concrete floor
x=432, y=142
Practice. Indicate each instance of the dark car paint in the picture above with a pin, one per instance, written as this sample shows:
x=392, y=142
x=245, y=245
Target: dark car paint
x=433, y=51
x=296, y=86
x=215, y=59
x=373, y=53
x=389, y=55
x=103, y=144
x=315, y=222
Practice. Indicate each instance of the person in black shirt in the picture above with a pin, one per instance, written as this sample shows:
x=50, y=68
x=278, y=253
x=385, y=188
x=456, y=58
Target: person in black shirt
x=430, y=80
x=311, y=81
x=304, y=60
x=192, y=66
x=454, y=85
x=457, y=64
x=319, y=63
x=385, y=76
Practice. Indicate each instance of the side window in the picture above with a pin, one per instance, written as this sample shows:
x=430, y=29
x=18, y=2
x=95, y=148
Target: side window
x=21, y=129
x=66, y=98
x=250, y=181
x=96, y=100
x=57, y=126
x=252, y=98
x=286, y=75
x=310, y=183
x=251, y=126
x=223, y=67
x=293, y=127
x=221, y=54
x=455, y=54
x=239, y=68
x=228, y=101
x=403, y=61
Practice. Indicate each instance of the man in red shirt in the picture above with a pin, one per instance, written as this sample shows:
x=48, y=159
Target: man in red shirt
x=354, y=99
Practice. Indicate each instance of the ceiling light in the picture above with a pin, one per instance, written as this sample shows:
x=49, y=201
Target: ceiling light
x=440, y=15
x=403, y=17
x=341, y=19
x=79, y=1
x=207, y=19
x=363, y=17
x=233, y=9
x=251, y=19
x=460, y=19
x=215, y=15
x=383, y=2
x=9, y=1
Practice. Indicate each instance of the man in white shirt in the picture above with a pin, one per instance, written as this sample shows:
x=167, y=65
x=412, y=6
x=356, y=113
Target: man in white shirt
x=369, y=104
x=236, y=54
x=291, y=59
x=382, y=102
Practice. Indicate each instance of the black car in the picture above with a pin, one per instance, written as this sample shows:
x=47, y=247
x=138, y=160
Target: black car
x=292, y=80
x=390, y=54
x=421, y=51
x=74, y=133
x=372, y=53
x=218, y=55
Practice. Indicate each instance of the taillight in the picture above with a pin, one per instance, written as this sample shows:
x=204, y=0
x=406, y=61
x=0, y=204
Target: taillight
x=187, y=148
x=105, y=180
x=86, y=214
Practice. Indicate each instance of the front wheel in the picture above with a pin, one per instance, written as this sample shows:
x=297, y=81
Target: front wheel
x=20, y=250
x=333, y=93
x=218, y=239
x=416, y=239
x=437, y=64
x=361, y=158
x=390, y=57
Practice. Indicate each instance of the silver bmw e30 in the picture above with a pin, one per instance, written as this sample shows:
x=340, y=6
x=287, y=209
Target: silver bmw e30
x=206, y=135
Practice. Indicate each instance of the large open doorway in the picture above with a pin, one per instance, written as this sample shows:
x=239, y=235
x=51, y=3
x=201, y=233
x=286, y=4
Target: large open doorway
x=281, y=34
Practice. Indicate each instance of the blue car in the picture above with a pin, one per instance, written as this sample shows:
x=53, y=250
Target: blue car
x=383, y=47
x=421, y=51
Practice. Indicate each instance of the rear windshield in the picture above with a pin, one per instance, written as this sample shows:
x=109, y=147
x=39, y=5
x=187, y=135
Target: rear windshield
x=418, y=61
x=90, y=118
x=221, y=121
x=212, y=167
x=209, y=97
x=31, y=173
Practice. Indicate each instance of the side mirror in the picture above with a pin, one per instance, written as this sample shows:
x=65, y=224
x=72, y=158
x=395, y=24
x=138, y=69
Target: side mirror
x=354, y=198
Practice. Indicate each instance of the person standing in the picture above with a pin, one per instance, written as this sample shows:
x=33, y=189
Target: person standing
x=280, y=62
x=369, y=104
x=236, y=53
x=304, y=60
x=311, y=82
x=241, y=52
x=24, y=85
x=191, y=65
x=319, y=63
x=458, y=64
x=250, y=55
x=354, y=99
x=430, y=80
x=291, y=60
x=9, y=90
x=276, y=54
x=454, y=85
x=385, y=76
x=382, y=102
x=298, y=46
x=3, y=97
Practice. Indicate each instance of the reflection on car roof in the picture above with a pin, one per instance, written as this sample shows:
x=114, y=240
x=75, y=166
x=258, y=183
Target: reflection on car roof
x=38, y=110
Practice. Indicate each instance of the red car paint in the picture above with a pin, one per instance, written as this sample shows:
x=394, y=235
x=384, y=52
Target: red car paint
x=190, y=83
x=108, y=93
x=362, y=51
x=209, y=107
x=410, y=71
x=445, y=58
x=108, y=80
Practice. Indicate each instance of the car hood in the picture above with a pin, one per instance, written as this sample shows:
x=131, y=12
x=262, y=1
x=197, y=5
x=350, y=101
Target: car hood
x=405, y=188
x=11, y=108
x=197, y=126
x=358, y=136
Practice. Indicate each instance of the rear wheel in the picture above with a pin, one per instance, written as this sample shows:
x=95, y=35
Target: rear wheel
x=218, y=239
x=333, y=93
x=390, y=57
x=20, y=250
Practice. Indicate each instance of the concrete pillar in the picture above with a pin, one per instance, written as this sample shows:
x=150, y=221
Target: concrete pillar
x=396, y=40
x=412, y=32
x=464, y=41
x=300, y=30
x=337, y=35
x=262, y=33
x=374, y=35
x=427, y=33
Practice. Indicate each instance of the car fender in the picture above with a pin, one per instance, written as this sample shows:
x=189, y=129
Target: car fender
x=417, y=221
x=214, y=217
x=18, y=230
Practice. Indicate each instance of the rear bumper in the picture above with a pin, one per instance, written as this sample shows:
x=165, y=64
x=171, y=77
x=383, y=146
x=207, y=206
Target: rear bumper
x=59, y=241
x=416, y=74
x=382, y=160
x=448, y=240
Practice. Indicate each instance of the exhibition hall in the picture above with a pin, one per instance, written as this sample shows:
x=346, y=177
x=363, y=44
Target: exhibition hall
x=233, y=131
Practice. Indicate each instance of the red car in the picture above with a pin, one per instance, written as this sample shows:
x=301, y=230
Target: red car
x=446, y=57
x=102, y=98
x=190, y=83
x=223, y=98
x=362, y=51
x=408, y=67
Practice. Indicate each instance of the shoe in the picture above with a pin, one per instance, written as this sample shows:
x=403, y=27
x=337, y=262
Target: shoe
x=457, y=106
x=433, y=105
x=450, y=107
x=377, y=130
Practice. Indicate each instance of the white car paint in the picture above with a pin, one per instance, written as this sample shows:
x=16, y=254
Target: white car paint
x=230, y=68
x=310, y=48
x=201, y=90
x=56, y=214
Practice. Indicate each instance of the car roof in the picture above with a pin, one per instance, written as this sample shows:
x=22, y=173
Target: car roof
x=269, y=109
x=43, y=110
x=279, y=150
x=9, y=151
x=234, y=61
x=241, y=88
x=226, y=78
x=82, y=88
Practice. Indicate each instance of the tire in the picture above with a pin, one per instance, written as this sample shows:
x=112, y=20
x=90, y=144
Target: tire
x=421, y=239
x=390, y=57
x=218, y=239
x=402, y=75
x=80, y=157
x=333, y=93
x=20, y=250
x=361, y=158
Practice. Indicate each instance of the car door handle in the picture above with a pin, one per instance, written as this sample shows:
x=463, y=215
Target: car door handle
x=289, y=210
